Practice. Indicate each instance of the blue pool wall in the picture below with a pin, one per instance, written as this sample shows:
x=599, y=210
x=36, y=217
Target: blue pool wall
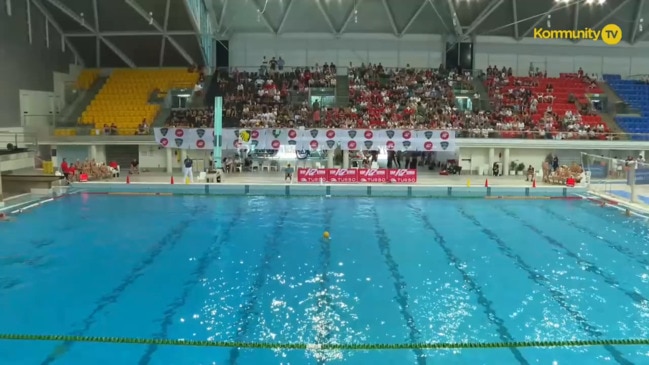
x=402, y=191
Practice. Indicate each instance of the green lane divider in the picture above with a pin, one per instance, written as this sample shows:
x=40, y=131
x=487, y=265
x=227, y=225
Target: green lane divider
x=328, y=346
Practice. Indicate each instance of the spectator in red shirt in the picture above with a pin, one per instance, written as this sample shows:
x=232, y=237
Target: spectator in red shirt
x=65, y=169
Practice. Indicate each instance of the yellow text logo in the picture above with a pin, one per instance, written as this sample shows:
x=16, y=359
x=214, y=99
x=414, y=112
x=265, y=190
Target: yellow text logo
x=611, y=34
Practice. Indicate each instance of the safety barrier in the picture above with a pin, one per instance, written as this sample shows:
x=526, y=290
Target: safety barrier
x=334, y=190
x=324, y=346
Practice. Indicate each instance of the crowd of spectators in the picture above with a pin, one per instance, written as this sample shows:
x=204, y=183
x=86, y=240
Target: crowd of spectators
x=399, y=98
x=89, y=170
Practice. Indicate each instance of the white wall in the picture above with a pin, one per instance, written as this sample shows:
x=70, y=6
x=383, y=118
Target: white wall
x=561, y=56
x=37, y=109
x=152, y=157
x=247, y=50
x=480, y=157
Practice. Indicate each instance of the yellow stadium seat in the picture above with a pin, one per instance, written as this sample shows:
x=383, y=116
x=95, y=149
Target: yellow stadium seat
x=123, y=100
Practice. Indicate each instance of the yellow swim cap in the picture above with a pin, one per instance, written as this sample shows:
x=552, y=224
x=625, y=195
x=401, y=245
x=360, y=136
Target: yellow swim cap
x=325, y=234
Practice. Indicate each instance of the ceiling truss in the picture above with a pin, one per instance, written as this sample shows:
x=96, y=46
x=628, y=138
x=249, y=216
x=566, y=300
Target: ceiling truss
x=459, y=19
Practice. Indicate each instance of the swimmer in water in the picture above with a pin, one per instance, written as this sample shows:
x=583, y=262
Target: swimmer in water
x=4, y=217
x=627, y=212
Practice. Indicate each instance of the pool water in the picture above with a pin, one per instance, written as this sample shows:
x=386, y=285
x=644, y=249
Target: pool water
x=256, y=269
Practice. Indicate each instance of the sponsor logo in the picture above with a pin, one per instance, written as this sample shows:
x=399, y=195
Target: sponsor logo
x=254, y=143
x=389, y=133
x=331, y=143
x=611, y=34
x=444, y=145
x=351, y=145
x=292, y=142
x=277, y=133
x=164, y=142
x=373, y=175
x=237, y=144
x=200, y=143
x=200, y=132
x=368, y=135
x=444, y=135
x=179, y=142
x=351, y=134
x=331, y=134
x=244, y=135
x=164, y=131
x=406, y=134
x=314, y=133
x=390, y=145
x=292, y=134
x=428, y=145
x=275, y=144
x=314, y=145
x=311, y=172
x=428, y=134
x=368, y=144
x=254, y=134
x=406, y=144
x=179, y=133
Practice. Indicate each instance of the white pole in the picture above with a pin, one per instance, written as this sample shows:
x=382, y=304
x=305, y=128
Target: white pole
x=634, y=193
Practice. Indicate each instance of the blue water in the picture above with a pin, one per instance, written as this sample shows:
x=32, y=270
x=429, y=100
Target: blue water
x=255, y=269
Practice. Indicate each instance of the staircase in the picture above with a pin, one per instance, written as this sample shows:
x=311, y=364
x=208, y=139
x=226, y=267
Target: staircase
x=122, y=154
x=342, y=91
x=71, y=114
x=612, y=125
x=480, y=88
x=612, y=96
x=161, y=118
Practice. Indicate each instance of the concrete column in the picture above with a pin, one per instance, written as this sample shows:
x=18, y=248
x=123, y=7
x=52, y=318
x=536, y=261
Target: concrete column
x=330, y=158
x=170, y=160
x=183, y=155
x=92, y=152
x=506, y=162
x=492, y=159
x=345, y=159
x=55, y=159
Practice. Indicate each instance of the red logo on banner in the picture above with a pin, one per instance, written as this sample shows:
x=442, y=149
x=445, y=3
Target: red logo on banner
x=254, y=134
x=200, y=143
x=179, y=133
x=373, y=175
x=342, y=175
x=275, y=144
x=444, y=135
x=311, y=175
x=314, y=145
x=331, y=134
x=402, y=176
x=292, y=134
x=407, y=134
x=237, y=144
x=368, y=135
x=428, y=146
x=389, y=145
x=164, y=142
x=351, y=145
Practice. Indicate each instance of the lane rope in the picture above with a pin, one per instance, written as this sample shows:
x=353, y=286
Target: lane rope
x=327, y=346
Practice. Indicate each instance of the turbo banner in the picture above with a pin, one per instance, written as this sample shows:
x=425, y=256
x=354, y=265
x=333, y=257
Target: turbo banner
x=310, y=139
x=351, y=176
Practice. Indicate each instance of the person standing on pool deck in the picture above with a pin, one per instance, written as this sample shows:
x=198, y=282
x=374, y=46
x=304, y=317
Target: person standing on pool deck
x=288, y=173
x=187, y=169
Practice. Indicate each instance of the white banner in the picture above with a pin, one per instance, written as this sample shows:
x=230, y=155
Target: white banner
x=310, y=139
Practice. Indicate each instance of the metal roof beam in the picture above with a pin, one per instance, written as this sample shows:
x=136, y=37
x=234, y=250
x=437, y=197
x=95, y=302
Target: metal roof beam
x=261, y=15
x=67, y=11
x=636, y=23
x=414, y=17
x=393, y=24
x=127, y=60
x=222, y=17
x=64, y=40
x=326, y=16
x=284, y=16
x=211, y=11
x=163, y=44
x=198, y=31
x=457, y=26
x=540, y=19
x=350, y=16
x=138, y=9
x=493, y=5
x=610, y=14
x=575, y=19
x=515, y=18
x=129, y=34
